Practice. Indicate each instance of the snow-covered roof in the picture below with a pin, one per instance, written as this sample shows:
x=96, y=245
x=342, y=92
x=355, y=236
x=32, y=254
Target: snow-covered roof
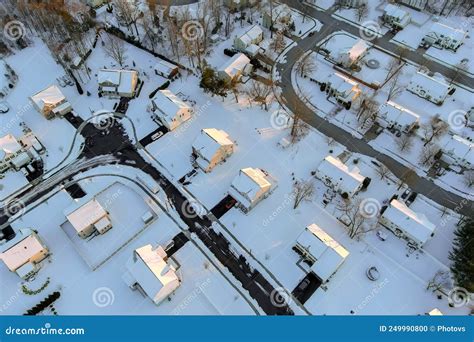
x=435, y=86
x=446, y=31
x=253, y=33
x=393, y=112
x=435, y=312
x=18, y=251
x=168, y=104
x=343, y=84
x=164, y=67
x=329, y=254
x=460, y=148
x=8, y=145
x=209, y=141
x=50, y=98
x=86, y=215
x=124, y=81
x=150, y=270
x=235, y=65
x=348, y=180
x=249, y=185
x=356, y=50
x=280, y=11
x=395, y=11
x=416, y=225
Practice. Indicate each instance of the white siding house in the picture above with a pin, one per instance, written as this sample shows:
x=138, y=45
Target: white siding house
x=12, y=154
x=394, y=17
x=88, y=218
x=397, y=116
x=407, y=224
x=249, y=187
x=233, y=69
x=252, y=37
x=434, y=89
x=170, y=110
x=351, y=55
x=444, y=37
x=343, y=89
x=149, y=272
x=117, y=83
x=211, y=147
x=165, y=69
x=51, y=102
x=336, y=174
x=324, y=253
x=459, y=151
x=280, y=18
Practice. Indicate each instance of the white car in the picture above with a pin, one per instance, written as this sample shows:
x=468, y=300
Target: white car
x=4, y=108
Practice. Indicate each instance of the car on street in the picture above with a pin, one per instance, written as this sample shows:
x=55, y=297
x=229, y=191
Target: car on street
x=411, y=198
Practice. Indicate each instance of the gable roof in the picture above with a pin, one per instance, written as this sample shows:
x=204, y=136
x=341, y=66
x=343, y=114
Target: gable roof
x=235, y=65
x=48, y=97
x=348, y=180
x=85, y=215
x=249, y=185
x=435, y=86
x=461, y=148
x=209, y=141
x=18, y=251
x=168, y=104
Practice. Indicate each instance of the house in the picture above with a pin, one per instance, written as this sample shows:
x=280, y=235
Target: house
x=23, y=253
x=165, y=69
x=321, y=251
x=89, y=218
x=444, y=37
x=435, y=312
x=419, y=5
x=336, y=174
x=459, y=151
x=352, y=3
x=407, y=224
x=253, y=36
x=150, y=272
x=351, y=55
x=249, y=187
x=12, y=154
x=51, y=102
x=170, y=110
x=279, y=18
x=117, y=83
x=211, y=147
x=395, y=18
x=434, y=89
x=233, y=69
x=392, y=115
x=343, y=89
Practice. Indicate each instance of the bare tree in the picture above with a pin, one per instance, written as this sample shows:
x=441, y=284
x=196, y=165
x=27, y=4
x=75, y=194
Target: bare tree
x=260, y=92
x=394, y=89
x=362, y=12
x=128, y=12
x=468, y=178
x=408, y=177
x=306, y=66
x=404, y=142
x=302, y=191
x=427, y=154
x=383, y=171
x=354, y=219
x=115, y=48
x=277, y=44
x=434, y=129
x=455, y=71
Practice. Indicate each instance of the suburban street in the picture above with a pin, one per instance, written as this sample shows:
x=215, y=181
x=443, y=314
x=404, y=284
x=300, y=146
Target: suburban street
x=292, y=100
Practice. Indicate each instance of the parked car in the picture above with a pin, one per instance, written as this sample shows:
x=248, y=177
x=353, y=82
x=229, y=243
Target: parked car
x=405, y=193
x=4, y=108
x=230, y=52
x=411, y=198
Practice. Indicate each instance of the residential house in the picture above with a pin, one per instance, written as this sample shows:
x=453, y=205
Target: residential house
x=211, y=147
x=150, y=272
x=435, y=312
x=352, y=3
x=415, y=4
x=249, y=187
x=342, y=88
x=252, y=37
x=166, y=69
x=89, y=218
x=351, y=55
x=395, y=18
x=444, y=37
x=51, y=102
x=12, y=154
x=117, y=83
x=280, y=18
x=392, y=115
x=233, y=69
x=337, y=175
x=433, y=88
x=321, y=251
x=23, y=253
x=459, y=151
x=407, y=224
x=170, y=110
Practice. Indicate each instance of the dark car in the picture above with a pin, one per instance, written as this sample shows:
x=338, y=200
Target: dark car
x=405, y=193
x=411, y=198
x=230, y=52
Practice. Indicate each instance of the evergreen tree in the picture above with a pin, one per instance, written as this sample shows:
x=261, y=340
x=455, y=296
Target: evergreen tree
x=210, y=82
x=462, y=255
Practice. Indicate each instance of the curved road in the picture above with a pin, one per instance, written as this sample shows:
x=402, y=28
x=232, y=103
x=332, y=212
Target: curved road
x=291, y=99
